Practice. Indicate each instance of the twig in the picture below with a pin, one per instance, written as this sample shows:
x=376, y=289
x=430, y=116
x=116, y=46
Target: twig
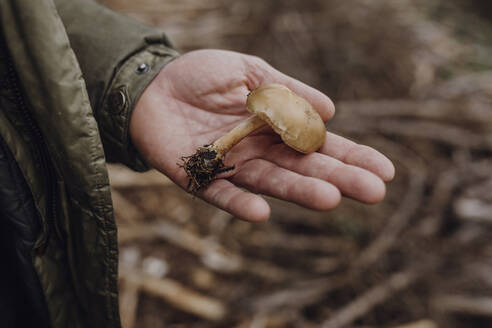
x=440, y=197
x=419, y=324
x=212, y=254
x=125, y=210
x=176, y=294
x=472, y=305
x=296, y=297
x=398, y=282
x=460, y=112
x=444, y=133
x=129, y=303
x=474, y=210
x=277, y=239
x=374, y=296
x=408, y=207
x=481, y=273
x=121, y=177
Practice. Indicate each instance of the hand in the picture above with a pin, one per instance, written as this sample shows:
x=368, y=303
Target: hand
x=201, y=95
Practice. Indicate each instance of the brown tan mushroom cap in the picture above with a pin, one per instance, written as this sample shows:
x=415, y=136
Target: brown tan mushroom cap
x=292, y=117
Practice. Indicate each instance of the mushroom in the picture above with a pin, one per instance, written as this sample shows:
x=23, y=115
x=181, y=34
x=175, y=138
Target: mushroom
x=289, y=115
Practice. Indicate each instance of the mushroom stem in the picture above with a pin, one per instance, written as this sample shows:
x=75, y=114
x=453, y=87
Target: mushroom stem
x=299, y=125
x=229, y=140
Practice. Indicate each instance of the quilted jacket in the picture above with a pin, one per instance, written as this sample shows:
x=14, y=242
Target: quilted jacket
x=71, y=72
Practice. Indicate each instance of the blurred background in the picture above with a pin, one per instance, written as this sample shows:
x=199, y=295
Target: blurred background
x=412, y=78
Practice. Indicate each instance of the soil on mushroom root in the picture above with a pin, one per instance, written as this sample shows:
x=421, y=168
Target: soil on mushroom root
x=202, y=168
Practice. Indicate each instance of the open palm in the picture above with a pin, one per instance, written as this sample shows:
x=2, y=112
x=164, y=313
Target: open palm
x=201, y=95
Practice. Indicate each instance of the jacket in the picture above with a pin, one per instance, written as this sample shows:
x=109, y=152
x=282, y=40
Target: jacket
x=71, y=72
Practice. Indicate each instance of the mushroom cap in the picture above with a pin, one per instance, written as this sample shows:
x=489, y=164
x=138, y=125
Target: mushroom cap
x=299, y=125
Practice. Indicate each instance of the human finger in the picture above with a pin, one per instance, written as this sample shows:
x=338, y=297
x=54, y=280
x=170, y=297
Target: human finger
x=242, y=204
x=352, y=181
x=261, y=176
x=362, y=156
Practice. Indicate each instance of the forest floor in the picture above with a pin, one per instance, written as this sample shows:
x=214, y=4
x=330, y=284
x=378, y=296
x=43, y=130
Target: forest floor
x=411, y=78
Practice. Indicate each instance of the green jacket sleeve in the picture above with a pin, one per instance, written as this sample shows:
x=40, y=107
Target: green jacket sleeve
x=118, y=57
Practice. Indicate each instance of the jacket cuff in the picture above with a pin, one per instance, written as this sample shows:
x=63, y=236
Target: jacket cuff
x=127, y=85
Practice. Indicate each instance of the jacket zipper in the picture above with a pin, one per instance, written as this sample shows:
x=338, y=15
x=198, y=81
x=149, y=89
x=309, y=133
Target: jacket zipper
x=38, y=144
